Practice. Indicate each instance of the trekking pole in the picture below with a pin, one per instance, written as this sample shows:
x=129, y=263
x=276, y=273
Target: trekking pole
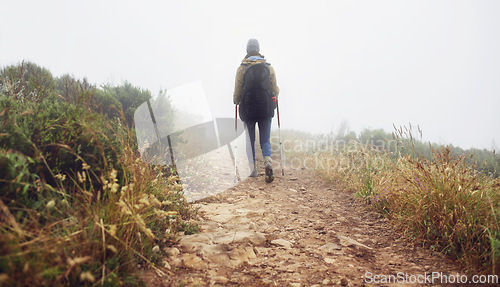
x=279, y=134
x=159, y=139
x=236, y=136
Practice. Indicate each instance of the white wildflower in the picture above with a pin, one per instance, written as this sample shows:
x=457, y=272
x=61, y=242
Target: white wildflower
x=51, y=204
x=87, y=276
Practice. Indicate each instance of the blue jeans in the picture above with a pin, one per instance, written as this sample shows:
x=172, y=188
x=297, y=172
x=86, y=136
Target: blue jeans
x=264, y=136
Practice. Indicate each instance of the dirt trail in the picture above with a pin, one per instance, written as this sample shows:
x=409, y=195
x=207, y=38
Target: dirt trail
x=297, y=231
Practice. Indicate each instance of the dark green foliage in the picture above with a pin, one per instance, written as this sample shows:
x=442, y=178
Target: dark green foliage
x=70, y=180
x=60, y=137
x=164, y=112
x=27, y=82
x=15, y=176
x=164, y=115
x=82, y=94
x=130, y=98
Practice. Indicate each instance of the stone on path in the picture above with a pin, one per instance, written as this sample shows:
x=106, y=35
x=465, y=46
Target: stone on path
x=348, y=242
x=192, y=261
x=283, y=243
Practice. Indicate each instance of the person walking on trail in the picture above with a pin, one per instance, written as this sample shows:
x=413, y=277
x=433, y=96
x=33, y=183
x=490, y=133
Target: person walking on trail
x=256, y=94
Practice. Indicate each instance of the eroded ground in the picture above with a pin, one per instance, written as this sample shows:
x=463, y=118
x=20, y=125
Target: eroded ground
x=297, y=231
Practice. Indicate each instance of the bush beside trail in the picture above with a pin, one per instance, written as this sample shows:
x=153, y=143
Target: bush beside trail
x=77, y=204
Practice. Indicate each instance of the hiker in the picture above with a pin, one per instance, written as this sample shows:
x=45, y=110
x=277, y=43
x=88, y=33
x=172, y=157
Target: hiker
x=255, y=92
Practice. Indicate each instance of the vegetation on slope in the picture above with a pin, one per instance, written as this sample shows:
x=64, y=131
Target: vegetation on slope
x=77, y=204
x=441, y=197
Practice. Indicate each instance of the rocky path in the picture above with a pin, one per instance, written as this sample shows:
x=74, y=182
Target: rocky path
x=297, y=231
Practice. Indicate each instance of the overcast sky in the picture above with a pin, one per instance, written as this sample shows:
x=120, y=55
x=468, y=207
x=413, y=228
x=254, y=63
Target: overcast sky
x=373, y=63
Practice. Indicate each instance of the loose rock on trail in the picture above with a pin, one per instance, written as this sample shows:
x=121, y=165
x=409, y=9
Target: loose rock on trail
x=299, y=230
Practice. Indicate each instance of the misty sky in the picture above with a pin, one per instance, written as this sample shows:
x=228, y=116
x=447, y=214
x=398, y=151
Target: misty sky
x=373, y=63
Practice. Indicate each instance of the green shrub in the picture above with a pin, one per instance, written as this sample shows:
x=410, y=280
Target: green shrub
x=60, y=137
x=77, y=205
x=27, y=82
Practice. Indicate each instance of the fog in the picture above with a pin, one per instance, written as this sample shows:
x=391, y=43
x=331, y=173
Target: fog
x=374, y=64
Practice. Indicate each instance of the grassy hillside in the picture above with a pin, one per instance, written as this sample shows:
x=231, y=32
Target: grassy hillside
x=441, y=197
x=77, y=204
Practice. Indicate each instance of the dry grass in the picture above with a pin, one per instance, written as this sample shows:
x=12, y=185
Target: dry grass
x=88, y=226
x=93, y=236
x=443, y=203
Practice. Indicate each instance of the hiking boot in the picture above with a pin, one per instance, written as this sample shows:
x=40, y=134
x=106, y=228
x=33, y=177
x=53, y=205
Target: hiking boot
x=254, y=172
x=269, y=169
